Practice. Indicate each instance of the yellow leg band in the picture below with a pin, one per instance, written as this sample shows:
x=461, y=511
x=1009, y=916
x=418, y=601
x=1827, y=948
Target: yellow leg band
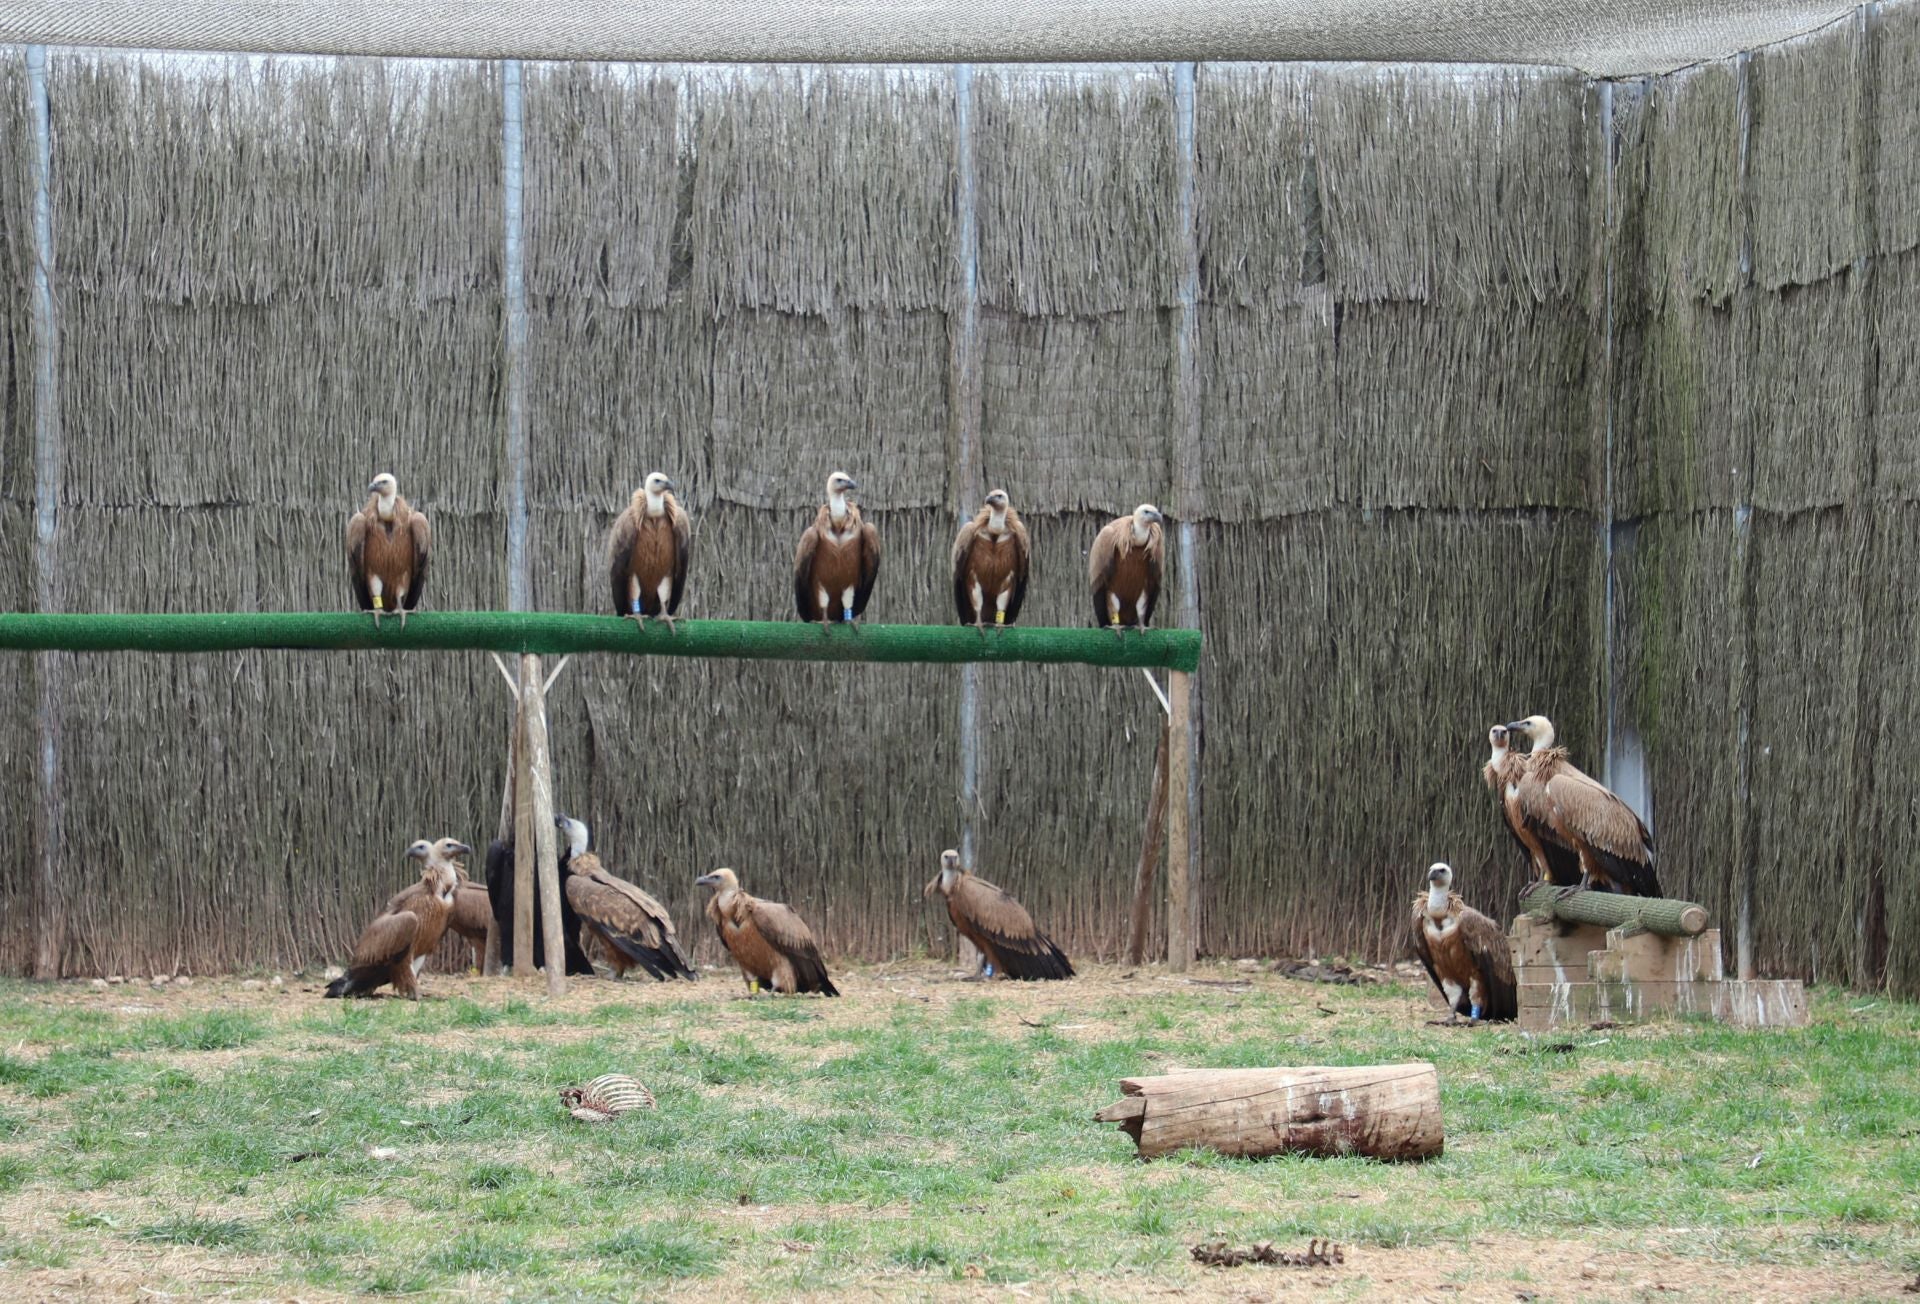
x=1116, y=618
x=999, y=617
x=376, y=602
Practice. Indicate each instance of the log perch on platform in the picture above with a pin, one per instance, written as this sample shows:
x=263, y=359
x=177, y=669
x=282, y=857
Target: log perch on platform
x=1668, y=918
x=1383, y=1111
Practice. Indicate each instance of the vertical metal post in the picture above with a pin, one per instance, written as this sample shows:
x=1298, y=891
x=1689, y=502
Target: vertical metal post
x=514, y=289
x=50, y=919
x=1185, y=787
x=963, y=333
x=1742, y=584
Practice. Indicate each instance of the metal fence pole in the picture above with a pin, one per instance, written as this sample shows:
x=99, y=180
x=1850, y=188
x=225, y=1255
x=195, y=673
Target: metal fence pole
x=963, y=334
x=50, y=921
x=1186, y=464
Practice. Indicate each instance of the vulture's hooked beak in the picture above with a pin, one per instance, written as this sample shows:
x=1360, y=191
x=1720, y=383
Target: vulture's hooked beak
x=671, y=484
x=1517, y=726
x=374, y=487
x=707, y=880
x=1435, y=875
x=460, y=849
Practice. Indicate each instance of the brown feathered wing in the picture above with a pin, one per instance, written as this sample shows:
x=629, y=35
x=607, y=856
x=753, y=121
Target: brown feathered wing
x=627, y=918
x=1001, y=927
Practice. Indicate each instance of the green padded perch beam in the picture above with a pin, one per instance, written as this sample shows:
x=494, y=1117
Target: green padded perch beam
x=1659, y=915
x=552, y=633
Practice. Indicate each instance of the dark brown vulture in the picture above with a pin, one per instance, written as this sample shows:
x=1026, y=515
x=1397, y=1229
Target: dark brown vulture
x=837, y=560
x=647, y=554
x=1124, y=567
x=1465, y=953
x=397, y=943
x=990, y=558
x=772, y=945
x=387, y=548
x=1614, y=847
x=471, y=912
x=500, y=896
x=1529, y=815
x=636, y=930
x=997, y=924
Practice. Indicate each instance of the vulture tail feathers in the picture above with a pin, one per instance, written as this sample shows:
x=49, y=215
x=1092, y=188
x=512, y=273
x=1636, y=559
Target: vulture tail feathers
x=662, y=963
x=1628, y=877
x=1031, y=966
x=810, y=975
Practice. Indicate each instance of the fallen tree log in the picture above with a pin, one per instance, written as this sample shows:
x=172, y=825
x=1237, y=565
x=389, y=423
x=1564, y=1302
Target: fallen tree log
x=1384, y=1111
x=1662, y=915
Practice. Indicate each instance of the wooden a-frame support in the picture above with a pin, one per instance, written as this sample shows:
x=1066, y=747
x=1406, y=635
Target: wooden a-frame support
x=526, y=811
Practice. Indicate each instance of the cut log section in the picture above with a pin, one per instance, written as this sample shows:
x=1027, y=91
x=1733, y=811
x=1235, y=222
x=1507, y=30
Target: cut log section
x=1662, y=915
x=1383, y=1111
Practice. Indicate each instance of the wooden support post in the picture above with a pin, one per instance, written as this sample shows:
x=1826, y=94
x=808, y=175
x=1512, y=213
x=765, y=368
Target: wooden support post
x=1149, y=853
x=1383, y=1111
x=536, y=771
x=524, y=848
x=1180, y=941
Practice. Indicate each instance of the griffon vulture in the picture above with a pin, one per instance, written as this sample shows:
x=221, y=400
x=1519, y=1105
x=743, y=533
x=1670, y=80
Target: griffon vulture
x=397, y=943
x=1124, y=567
x=1465, y=953
x=993, y=921
x=837, y=560
x=990, y=564
x=772, y=945
x=500, y=896
x=647, y=554
x=636, y=930
x=1614, y=847
x=1528, y=812
x=388, y=543
x=470, y=914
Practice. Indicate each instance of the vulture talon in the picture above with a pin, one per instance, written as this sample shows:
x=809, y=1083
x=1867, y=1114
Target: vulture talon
x=672, y=627
x=638, y=618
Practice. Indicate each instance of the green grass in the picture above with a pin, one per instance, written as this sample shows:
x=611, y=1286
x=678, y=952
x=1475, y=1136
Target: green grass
x=884, y=1141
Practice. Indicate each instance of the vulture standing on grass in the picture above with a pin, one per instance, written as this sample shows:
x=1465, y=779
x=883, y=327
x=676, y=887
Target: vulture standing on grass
x=1614, y=847
x=1465, y=953
x=1010, y=946
x=388, y=543
x=647, y=554
x=1528, y=812
x=990, y=564
x=470, y=914
x=636, y=930
x=397, y=943
x=1124, y=567
x=500, y=896
x=772, y=945
x=837, y=560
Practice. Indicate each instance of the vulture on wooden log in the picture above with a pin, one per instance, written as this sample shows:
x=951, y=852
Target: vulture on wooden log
x=772, y=945
x=837, y=560
x=1124, y=567
x=1614, y=847
x=990, y=558
x=471, y=912
x=500, y=896
x=1528, y=812
x=1465, y=953
x=397, y=943
x=636, y=930
x=647, y=554
x=1010, y=946
x=388, y=544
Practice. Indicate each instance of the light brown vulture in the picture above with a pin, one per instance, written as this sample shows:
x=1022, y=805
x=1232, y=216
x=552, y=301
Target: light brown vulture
x=772, y=945
x=647, y=554
x=1528, y=812
x=990, y=559
x=1614, y=847
x=1124, y=567
x=397, y=943
x=388, y=544
x=471, y=913
x=837, y=560
x=1465, y=953
x=635, y=930
x=1009, y=944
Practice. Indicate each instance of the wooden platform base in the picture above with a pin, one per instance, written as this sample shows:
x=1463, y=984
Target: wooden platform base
x=1574, y=975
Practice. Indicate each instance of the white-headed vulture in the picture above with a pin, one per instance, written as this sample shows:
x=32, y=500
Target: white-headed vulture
x=647, y=553
x=397, y=943
x=837, y=560
x=1010, y=946
x=388, y=544
x=1614, y=847
x=772, y=945
x=1465, y=952
x=990, y=559
x=1124, y=568
x=1528, y=812
x=636, y=930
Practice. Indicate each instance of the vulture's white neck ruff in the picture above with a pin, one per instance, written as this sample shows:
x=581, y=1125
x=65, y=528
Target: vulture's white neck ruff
x=386, y=504
x=1542, y=735
x=837, y=506
x=576, y=838
x=1436, y=900
x=656, y=503
x=1139, y=532
x=997, y=520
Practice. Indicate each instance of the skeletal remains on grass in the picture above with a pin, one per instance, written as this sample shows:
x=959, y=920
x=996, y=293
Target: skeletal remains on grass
x=606, y=1098
x=1318, y=1254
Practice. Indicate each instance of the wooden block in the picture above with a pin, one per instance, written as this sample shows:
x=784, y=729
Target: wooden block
x=1543, y=944
x=1649, y=957
x=1761, y=1003
x=1567, y=1004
